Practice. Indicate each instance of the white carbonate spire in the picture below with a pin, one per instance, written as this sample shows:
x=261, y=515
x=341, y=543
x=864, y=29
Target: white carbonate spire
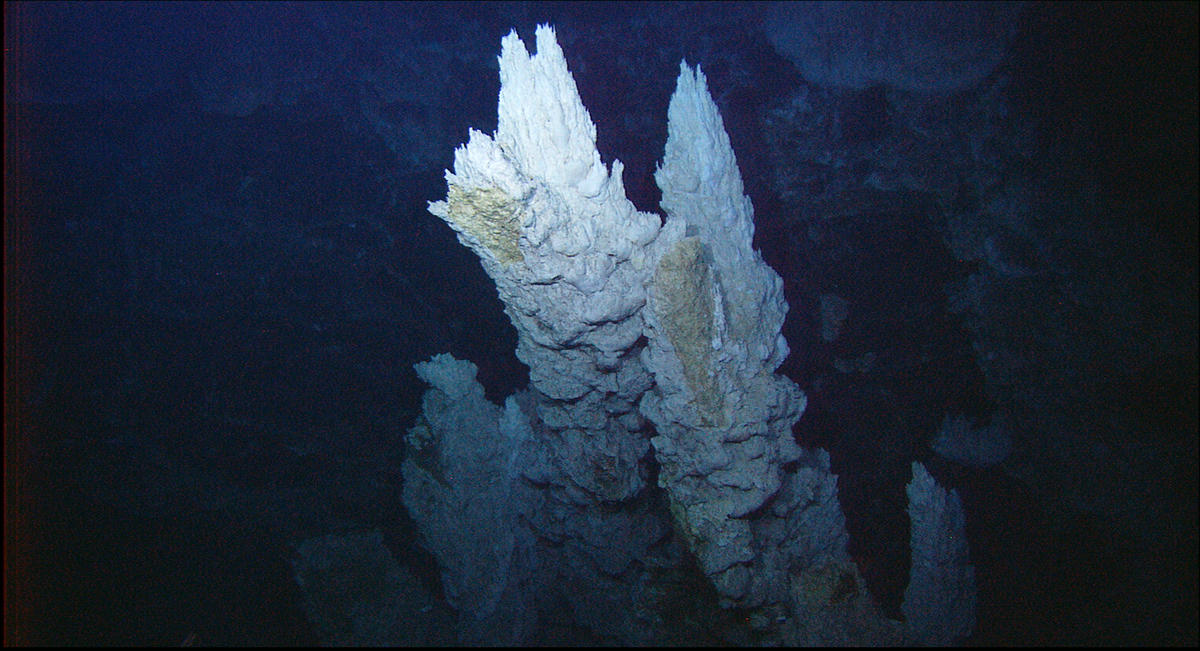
x=623, y=321
x=570, y=256
x=543, y=123
x=699, y=175
x=939, y=602
x=702, y=187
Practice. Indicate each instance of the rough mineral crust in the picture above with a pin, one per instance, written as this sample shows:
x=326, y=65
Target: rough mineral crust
x=939, y=603
x=570, y=256
x=652, y=346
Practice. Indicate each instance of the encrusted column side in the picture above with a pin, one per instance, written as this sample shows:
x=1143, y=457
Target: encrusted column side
x=702, y=187
x=570, y=256
x=723, y=418
x=463, y=462
x=621, y=318
x=939, y=602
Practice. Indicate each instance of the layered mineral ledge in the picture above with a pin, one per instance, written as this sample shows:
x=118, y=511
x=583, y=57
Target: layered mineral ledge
x=652, y=346
x=570, y=256
x=939, y=603
x=723, y=419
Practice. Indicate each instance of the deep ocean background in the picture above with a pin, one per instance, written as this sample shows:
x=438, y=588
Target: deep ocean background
x=219, y=270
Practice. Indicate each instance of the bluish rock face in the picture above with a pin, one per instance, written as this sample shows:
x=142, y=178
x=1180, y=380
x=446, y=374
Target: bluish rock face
x=921, y=47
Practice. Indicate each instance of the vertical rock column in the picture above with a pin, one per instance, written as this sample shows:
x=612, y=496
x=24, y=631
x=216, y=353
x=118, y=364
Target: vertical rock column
x=570, y=256
x=939, y=602
x=620, y=319
x=722, y=415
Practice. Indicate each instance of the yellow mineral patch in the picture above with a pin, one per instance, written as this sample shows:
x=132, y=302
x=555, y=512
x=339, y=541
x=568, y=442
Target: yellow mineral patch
x=490, y=216
x=828, y=585
x=683, y=284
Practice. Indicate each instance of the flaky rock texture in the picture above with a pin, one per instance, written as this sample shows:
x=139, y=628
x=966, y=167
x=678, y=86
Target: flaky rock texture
x=939, y=603
x=461, y=467
x=652, y=346
x=490, y=500
x=570, y=256
x=722, y=416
